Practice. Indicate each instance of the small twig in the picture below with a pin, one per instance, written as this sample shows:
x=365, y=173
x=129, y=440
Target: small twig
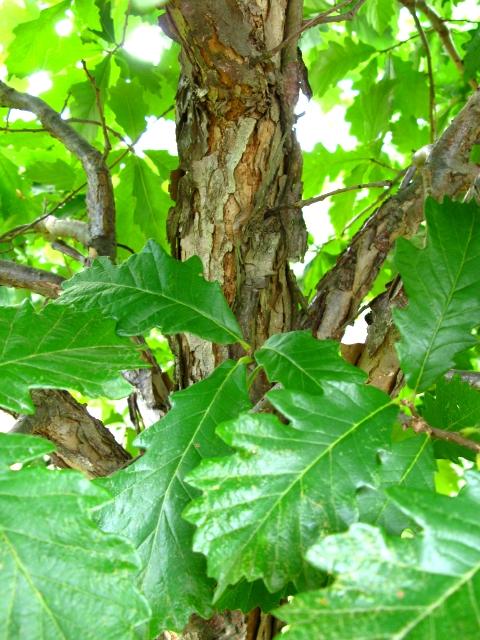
x=322, y=18
x=23, y=130
x=114, y=133
x=441, y=28
x=431, y=81
x=101, y=114
x=22, y=277
x=69, y=251
x=419, y=425
x=354, y=187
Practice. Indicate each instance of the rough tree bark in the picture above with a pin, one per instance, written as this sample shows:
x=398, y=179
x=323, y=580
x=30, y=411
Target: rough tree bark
x=239, y=159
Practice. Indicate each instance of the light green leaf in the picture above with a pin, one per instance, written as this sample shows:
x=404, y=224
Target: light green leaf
x=126, y=102
x=50, y=51
x=151, y=202
x=60, y=348
x=261, y=507
x=62, y=578
x=150, y=495
x=333, y=64
x=85, y=104
x=393, y=589
x=12, y=190
x=442, y=283
x=151, y=289
x=57, y=173
x=381, y=13
x=302, y=363
x=20, y=448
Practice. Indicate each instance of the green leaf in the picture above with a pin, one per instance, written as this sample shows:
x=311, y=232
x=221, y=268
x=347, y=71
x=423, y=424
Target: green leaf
x=381, y=13
x=20, y=448
x=62, y=578
x=471, y=60
x=60, y=348
x=151, y=289
x=333, y=64
x=371, y=110
x=393, y=589
x=442, y=282
x=151, y=202
x=12, y=190
x=126, y=102
x=261, y=507
x=302, y=363
x=150, y=495
x=454, y=407
x=57, y=173
x=50, y=51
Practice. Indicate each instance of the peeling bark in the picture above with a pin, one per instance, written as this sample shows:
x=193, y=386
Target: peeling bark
x=239, y=158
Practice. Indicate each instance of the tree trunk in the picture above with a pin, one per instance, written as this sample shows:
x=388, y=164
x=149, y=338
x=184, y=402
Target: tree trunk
x=240, y=163
x=239, y=175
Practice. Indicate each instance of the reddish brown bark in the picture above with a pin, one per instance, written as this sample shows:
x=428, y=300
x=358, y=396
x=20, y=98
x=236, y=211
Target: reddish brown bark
x=239, y=159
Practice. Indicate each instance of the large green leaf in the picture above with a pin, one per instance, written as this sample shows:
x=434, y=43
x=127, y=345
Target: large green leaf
x=62, y=578
x=262, y=507
x=442, y=282
x=302, y=363
x=151, y=289
x=60, y=348
x=149, y=496
x=388, y=588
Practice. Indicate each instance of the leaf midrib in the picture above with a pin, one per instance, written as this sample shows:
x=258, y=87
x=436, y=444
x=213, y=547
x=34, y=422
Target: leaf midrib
x=300, y=477
x=155, y=294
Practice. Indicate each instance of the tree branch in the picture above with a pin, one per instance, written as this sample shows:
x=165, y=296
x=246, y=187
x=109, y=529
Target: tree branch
x=22, y=277
x=448, y=172
x=100, y=200
x=82, y=441
x=420, y=426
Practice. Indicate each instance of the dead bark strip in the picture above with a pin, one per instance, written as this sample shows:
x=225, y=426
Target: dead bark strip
x=82, y=441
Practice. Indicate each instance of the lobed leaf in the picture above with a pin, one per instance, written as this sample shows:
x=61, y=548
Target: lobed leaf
x=20, y=448
x=262, y=507
x=302, y=363
x=150, y=495
x=390, y=588
x=62, y=578
x=60, y=348
x=151, y=289
x=442, y=283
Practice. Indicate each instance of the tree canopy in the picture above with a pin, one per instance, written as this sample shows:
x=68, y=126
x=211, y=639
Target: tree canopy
x=196, y=448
